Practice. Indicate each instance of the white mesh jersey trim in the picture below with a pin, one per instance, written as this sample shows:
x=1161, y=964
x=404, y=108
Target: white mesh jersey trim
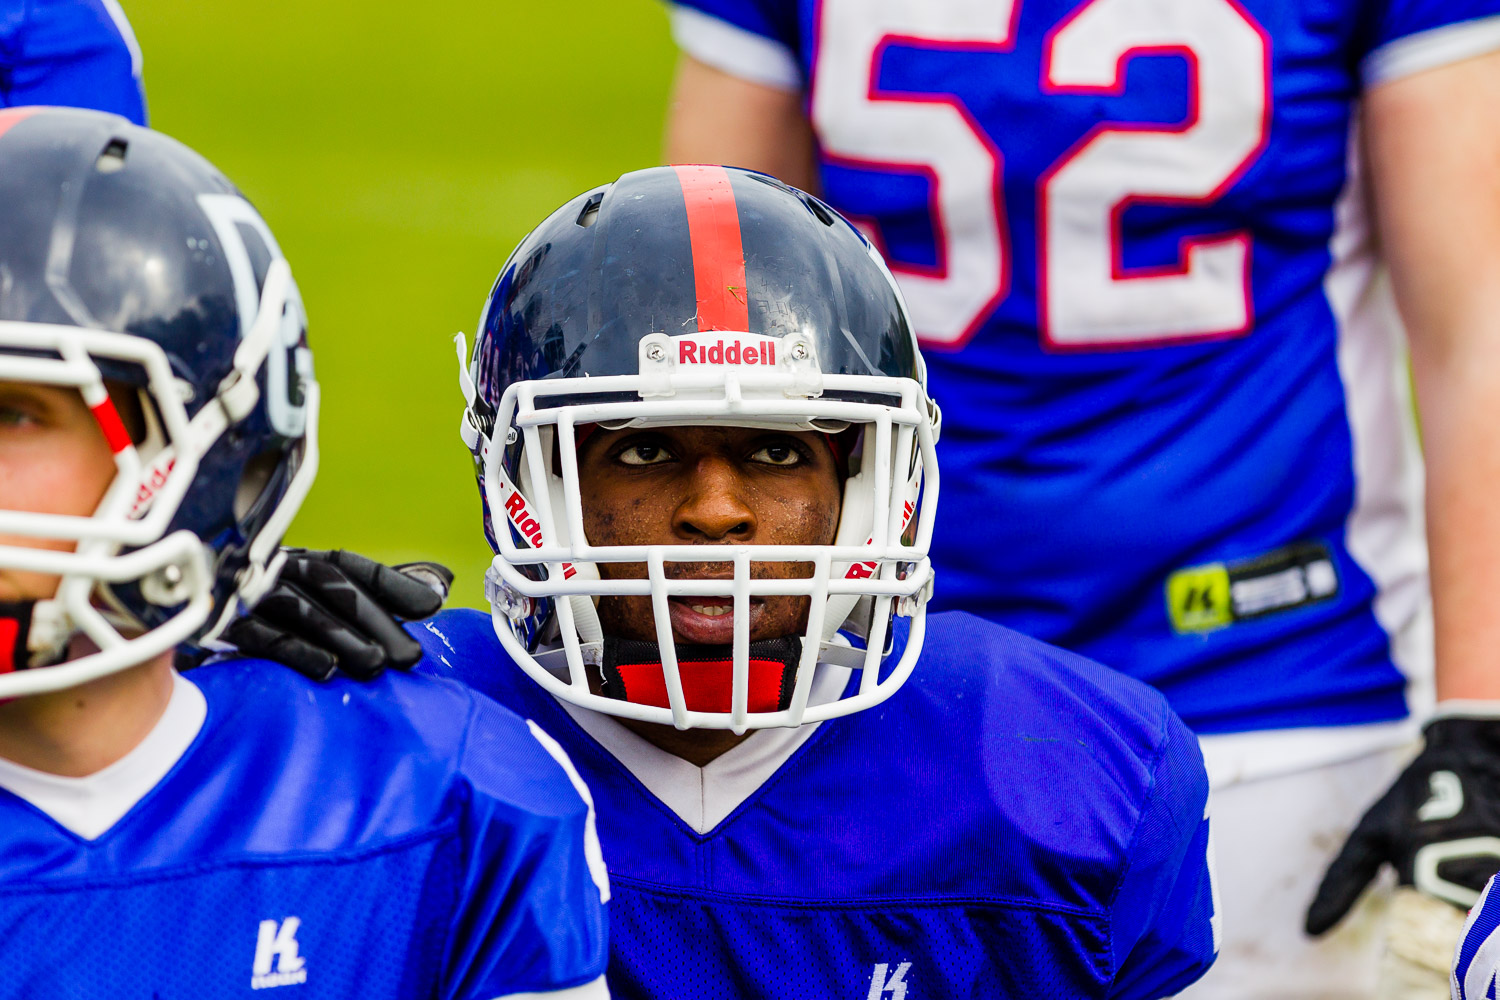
x=703, y=797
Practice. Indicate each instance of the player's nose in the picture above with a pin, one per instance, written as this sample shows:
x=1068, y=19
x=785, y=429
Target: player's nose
x=714, y=508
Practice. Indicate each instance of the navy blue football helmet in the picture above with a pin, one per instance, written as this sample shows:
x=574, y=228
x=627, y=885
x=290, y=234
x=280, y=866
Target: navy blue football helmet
x=129, y=261
x=701, y=295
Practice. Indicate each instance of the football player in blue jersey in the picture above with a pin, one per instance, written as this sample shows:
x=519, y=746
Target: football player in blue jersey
x=704, y=444
x=1140, y=243
x=241, y=830
x=70, y=53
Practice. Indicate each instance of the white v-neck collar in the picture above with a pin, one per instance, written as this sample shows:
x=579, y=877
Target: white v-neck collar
x=90, y=806
x=703, y=797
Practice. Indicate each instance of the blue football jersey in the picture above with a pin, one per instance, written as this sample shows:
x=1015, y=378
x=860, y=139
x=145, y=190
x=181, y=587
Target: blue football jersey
x=405, y=838
x=70, y=53
x=1476, y=963
x=1014, y=822
x=1176, y=424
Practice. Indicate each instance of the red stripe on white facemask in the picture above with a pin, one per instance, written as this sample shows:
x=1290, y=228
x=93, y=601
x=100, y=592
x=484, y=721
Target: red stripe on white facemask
x=115, y=434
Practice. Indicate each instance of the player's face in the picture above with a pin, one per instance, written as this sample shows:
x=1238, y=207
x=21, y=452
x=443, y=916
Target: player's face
x=707, y=486
x=53, y=460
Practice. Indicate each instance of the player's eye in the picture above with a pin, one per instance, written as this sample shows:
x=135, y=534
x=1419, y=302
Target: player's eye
x=18, y=416
x=643, y=453
x=782, y=452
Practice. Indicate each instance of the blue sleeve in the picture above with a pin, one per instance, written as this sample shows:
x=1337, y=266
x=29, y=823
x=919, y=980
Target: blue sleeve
x=1397, y=19
x=531, y=902
x=1477, y=959
x=770, y=19
x=71, y=53
x=1164, y=921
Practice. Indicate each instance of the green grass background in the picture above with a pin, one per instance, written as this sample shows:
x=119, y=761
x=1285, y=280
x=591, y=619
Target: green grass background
x=399, y=150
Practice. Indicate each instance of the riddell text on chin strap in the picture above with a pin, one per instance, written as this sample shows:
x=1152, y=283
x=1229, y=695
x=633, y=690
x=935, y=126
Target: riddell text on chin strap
x=633, y=672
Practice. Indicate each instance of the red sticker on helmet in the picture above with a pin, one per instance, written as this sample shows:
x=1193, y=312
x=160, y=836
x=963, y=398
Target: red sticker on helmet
x=718, y=253
x=11, y=117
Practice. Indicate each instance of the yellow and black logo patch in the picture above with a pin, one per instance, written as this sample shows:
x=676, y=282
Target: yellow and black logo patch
x=1215, y=595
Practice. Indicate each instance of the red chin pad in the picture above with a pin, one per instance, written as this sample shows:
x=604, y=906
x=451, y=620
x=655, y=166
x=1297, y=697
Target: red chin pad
x=633, y=672
x=15, y=628
x=10, y=629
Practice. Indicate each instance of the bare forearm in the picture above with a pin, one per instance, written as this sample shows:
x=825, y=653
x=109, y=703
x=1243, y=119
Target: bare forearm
x=1435, y=158
x=1460, y=404
x=718, y=118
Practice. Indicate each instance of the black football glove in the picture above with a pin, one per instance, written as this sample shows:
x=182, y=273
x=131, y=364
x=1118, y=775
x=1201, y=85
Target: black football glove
x=1438, y=825
x=338, y=611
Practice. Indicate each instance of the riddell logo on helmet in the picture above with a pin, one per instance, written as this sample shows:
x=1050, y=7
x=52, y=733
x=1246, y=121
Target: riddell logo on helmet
x=865, y=570
x=152, y=482
x=713, y=348
x=529, y=527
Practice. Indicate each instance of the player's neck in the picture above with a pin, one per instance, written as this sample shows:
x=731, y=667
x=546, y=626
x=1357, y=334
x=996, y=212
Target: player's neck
x=696, y=746
x=82, y=730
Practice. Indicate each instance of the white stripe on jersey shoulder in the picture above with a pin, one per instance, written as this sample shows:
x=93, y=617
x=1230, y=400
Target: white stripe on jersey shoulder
x=595, y=990
x=734, y=50
x=1430, y=49
x=89, y=807
x=592, y=852
x=127, y=33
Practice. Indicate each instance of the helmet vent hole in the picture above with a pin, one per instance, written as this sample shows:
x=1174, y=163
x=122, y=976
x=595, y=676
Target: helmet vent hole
x=817, y=208
x=113, y=157
x=590, y=213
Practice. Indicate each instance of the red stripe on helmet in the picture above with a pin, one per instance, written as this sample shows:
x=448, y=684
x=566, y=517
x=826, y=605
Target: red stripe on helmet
x=11, y=117
x=112, y=426
x=718, y=254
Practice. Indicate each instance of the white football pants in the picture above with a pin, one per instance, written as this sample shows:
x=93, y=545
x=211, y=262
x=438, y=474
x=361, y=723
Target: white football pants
x=1273, y=839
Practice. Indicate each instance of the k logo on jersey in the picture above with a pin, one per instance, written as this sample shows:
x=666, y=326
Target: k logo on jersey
x=278, y=941
x=883, y=981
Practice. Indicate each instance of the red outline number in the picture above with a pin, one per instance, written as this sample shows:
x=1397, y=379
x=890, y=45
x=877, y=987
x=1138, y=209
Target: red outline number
x=860, y=125
x=1087, y=298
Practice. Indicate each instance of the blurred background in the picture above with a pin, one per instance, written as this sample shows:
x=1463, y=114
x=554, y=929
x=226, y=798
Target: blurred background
x=399, y=151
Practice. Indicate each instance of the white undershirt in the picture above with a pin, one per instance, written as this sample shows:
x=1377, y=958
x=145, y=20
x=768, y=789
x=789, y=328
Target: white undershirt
x=90, y=806
x=703, y=797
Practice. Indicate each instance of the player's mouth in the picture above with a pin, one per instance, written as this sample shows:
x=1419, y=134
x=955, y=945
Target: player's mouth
x=708, y=621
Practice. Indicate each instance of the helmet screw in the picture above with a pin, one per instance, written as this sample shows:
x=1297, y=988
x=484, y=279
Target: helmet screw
x=799, y=351
x=655, y=352
x=172, y=574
